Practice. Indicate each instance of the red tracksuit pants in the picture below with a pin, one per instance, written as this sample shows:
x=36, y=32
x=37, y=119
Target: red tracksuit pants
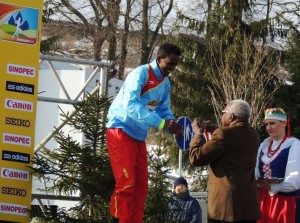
x=128, y=158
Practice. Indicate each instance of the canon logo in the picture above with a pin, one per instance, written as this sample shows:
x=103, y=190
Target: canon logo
x=19, y=87
x=14, y=191
x=13, y=209
x=14, y=174
x=20, y=70
x=17, y=122
x=18, y=105
x=15, y=156
x=16, y=139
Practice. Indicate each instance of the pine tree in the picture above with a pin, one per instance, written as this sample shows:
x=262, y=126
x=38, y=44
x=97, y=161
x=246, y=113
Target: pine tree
x=292, y=106
x=221, y=62
x=83, y=169
x=225, y=63
x=159, y=184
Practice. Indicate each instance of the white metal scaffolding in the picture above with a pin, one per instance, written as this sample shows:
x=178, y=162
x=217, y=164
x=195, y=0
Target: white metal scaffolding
x=101, y=69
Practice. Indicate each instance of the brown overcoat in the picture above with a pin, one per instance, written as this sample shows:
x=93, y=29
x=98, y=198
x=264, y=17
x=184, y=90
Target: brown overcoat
x=231, y=154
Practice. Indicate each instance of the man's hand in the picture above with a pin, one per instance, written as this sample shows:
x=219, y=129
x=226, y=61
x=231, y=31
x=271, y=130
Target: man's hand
x=209, y=126
x=173, y=126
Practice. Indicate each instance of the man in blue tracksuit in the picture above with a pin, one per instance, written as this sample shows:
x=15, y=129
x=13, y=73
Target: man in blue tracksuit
x=142, y=102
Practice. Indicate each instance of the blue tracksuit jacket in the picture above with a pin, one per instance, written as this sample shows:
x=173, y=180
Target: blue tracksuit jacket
x=142, y=102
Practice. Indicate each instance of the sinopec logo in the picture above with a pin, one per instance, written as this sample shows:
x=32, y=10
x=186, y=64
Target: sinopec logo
x=13, y=191
x=20, y=70
x=15, y=156
x=18, y=105
x=19, y=87
x=16, y=139
x=17, y=122
x=14, y=174
x=13, y=209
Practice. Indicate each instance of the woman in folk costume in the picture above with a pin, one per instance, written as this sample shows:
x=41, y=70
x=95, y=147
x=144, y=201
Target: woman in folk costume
x=278, y=171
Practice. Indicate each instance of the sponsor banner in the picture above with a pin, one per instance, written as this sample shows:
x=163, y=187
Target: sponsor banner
x=14, y=174
x=17, y=122
x=20, y=38
x=12, y=191
x=16, y=139
x=13, y=209
x=19, y=87
x=17, y=69
x=21, y=105
x=15, y=156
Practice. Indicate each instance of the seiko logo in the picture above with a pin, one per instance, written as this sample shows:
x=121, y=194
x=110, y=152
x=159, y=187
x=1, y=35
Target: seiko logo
x=16, y=139
x=14, y=191
x=20, y=70
x=17, y=122
x=19, y=87
x=14, y=174
x=13, y=209
x=18, y=105
x=15, y=156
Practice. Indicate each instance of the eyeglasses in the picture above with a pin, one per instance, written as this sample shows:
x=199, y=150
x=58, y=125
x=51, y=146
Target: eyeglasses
x=224, y=111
